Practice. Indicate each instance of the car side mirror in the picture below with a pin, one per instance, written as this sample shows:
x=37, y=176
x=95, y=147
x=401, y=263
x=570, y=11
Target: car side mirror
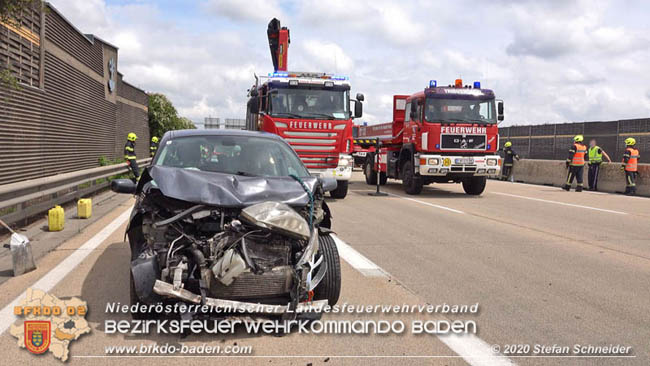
x=123, y=186
x=328, y=183
x=358, y=108
x=360, y=97
x=500, y=110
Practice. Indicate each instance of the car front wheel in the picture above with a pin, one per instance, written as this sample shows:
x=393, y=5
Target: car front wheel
x=330, y=287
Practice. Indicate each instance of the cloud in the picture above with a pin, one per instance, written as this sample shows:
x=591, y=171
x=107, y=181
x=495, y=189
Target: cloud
x=393, y=23
x=327, y=56
x=249, y=10
x=551, y=61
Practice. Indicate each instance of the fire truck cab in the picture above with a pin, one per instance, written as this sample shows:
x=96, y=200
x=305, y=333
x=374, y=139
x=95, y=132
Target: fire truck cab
x=439, y=135
x=311, y=111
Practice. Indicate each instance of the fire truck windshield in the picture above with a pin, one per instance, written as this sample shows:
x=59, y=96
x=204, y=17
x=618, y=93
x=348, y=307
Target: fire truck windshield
x=438, y=110
x=309, y=103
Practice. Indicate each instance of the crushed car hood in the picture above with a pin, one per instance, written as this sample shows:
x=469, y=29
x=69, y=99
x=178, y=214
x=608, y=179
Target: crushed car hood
x=227, y=190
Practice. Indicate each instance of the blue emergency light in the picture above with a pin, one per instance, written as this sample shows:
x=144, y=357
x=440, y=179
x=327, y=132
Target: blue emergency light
x=433, y=84
x=339, y=77
x=477, y=85
x=279, y=74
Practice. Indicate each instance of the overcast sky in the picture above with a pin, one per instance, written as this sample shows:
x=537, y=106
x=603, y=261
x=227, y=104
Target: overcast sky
x=550, y=61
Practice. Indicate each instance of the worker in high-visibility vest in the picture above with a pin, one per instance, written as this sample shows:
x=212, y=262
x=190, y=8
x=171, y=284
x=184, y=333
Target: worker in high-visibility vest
x=576, y=163
x=596, y=154
x=509, y=156
x=153, y=146
x=630, y=165
x=129, y=154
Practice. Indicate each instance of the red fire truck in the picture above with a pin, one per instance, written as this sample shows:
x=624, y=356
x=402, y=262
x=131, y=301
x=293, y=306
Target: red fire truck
x=439, y=135
x=359, y=149
x=310, y=110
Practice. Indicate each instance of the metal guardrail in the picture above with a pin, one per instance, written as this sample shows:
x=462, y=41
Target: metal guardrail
x=22, y=200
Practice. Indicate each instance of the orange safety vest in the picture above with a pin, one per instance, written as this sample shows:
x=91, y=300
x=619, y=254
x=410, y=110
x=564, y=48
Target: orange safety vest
x=579, y=155
x=632, y=162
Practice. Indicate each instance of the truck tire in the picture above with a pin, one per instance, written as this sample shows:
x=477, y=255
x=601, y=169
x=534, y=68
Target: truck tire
x=475, y=185
x=341, y=189
x=411, y=182
x=371, y=175
x=330, y=287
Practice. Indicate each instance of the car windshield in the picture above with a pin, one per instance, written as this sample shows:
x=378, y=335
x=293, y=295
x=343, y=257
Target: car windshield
x=460, y=110
x=309, y=103
x=239, y=155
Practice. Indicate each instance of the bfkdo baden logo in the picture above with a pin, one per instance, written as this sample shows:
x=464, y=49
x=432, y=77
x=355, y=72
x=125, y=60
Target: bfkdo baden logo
x=37, y=335
x=50, y=324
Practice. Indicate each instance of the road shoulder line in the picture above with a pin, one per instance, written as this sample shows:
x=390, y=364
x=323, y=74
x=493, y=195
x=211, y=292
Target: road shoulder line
x=67, y=265
x=427, y=203
x=471, y=348
x=561, y=203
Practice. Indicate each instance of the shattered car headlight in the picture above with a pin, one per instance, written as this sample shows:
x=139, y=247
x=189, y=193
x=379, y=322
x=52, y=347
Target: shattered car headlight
x=277, y=216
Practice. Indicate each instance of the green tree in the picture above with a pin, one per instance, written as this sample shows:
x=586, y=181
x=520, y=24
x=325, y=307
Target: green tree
x=164, y=117
x=186, y=124
x=10, y=12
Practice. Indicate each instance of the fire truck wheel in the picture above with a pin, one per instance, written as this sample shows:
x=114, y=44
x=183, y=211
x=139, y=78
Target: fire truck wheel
x=330, y=287
x=341, y=189
x=412, y=183
x=371, y=175
x=474, y=185
x=383, y=178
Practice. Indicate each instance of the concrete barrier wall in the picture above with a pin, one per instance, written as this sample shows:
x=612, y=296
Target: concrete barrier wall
x=554, y=172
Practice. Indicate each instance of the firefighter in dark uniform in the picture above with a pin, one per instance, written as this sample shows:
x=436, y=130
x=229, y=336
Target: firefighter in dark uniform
x=153, y=146
x=596, y=154
x=630, y=165
x=576, y=163
x=129, y=155
x=509, y=156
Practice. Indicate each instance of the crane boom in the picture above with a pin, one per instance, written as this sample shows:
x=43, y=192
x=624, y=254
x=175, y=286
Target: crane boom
x=279, y=44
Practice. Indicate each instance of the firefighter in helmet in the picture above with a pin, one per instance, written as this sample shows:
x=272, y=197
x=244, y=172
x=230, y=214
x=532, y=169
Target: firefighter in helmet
x=509, y=156
x=630, y=165
x=153, y=146
x=129, y=154
x=595, y=154
x=576, y=163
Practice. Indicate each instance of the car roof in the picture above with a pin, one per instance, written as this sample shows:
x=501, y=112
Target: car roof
x=218, y=132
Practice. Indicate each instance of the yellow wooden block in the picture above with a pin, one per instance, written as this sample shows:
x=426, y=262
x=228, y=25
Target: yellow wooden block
x=55, y=218
x=84, y=208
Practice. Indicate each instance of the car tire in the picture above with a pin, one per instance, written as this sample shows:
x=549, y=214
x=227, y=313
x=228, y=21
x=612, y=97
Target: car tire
x=341, y=189
x=474, y=186
x=411, y=182
x=330, y=287
x=368, y=171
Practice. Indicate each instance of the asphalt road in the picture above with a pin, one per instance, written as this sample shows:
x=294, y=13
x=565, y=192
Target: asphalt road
x=546, y=267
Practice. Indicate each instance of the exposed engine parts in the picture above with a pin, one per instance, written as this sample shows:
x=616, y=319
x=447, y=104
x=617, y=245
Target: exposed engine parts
x=264, y=252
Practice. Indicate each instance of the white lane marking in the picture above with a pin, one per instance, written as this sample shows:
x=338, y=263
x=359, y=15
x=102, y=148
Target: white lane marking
x=471, y=348
x=562, y=203
x=427, y=203
x=474, y=350
x=54, y=276
x=357, y=260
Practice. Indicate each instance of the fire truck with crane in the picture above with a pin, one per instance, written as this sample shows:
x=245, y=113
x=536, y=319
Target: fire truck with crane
x=310, y=110
x=443, y=134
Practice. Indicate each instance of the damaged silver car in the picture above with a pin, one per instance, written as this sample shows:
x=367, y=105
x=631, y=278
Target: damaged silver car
x=231, y=219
